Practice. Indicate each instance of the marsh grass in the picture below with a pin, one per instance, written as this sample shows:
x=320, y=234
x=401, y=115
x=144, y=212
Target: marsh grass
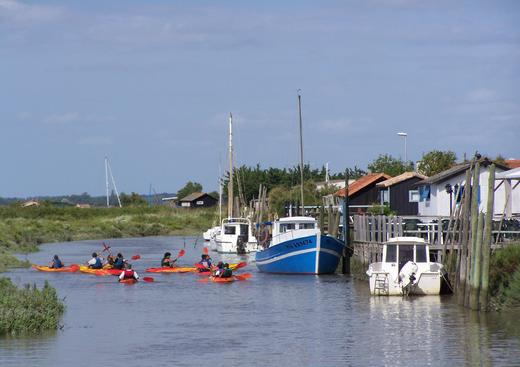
x=28, y=310
x=23, y=229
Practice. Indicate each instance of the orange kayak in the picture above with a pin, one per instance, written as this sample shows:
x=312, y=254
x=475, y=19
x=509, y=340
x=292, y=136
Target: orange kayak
x=187, y=269
x=66, y=269
x=128, y=281
x=222, y=280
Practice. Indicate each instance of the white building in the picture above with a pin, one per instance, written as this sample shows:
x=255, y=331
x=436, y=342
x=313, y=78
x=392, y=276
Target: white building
x=434, y=196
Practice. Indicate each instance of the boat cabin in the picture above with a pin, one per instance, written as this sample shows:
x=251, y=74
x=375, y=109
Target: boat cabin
x=403, y=249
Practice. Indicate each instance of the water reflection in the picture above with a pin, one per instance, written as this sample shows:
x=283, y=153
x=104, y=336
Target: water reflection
x=285, y=320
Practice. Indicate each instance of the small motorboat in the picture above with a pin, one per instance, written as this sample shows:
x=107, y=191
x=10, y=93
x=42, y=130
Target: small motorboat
x=406, y=269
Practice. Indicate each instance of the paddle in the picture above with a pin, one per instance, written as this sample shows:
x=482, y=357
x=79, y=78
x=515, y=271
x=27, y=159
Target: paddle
x=136, y=257
x=205, y=251
x=149, y=279
x=243, y=276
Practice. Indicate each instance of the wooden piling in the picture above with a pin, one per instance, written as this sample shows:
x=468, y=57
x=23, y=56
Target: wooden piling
x=322, y=219
x=486, y=243
x=474, y=230
x=462, y=259
x=475, y=271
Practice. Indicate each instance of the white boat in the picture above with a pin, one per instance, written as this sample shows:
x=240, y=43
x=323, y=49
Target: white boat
x=236, y=237
x=405, y=269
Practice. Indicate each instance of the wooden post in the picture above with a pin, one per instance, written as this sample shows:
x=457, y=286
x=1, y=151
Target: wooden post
x=385, y=228
x=329, y=220
x=474, y=229
x=475, y=273
x=463, y=247
x=486, y=244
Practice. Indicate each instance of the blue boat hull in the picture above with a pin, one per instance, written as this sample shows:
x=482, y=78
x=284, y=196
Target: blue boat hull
x=314, y=254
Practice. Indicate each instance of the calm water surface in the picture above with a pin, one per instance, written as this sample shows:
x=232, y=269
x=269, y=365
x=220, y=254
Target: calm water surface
x=270, y=320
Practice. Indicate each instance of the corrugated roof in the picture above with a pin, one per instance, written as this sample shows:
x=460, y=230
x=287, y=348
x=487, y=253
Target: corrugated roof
x=402, y=177
x=513, y=163
x=455, y=170
x=193, y=196
x=363, y=182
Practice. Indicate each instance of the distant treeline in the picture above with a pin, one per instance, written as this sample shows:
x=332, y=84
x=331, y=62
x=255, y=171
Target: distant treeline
x=85, y=198
x=249, y=178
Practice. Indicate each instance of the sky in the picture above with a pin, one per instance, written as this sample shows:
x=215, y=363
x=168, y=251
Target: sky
x=150, y=85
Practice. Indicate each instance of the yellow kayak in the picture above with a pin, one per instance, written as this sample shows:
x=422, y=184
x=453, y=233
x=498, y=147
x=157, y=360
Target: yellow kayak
x=66, y=269
x=87, y=270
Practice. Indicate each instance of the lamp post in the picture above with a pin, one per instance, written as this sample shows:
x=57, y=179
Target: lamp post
x=449, y=190
x=404, y=135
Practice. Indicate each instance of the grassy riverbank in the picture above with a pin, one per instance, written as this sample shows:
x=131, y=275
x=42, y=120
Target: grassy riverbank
x=23, y=229
x=28, y=310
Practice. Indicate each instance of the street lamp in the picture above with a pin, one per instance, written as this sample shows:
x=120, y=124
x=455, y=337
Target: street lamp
x=404, y=135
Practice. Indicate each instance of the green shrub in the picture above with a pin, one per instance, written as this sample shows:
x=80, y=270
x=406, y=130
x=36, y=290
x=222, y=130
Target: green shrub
x=28, y=310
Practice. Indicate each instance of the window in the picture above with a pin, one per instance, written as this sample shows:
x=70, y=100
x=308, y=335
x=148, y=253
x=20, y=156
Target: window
x=385, y=196
x=306, y=225
x=413, y=196
x=229, y=230
x=405, y=255
x=284, y=227
x=200, y=202
x=391, y=253
x=424, y=193
x=420, y=254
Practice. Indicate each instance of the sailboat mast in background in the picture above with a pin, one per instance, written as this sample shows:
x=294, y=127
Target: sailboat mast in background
x=230, y=183
x=301, y=149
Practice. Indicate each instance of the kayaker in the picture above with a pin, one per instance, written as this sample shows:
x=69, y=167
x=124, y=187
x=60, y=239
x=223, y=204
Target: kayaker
x=56, y=263
x=95, y=262
x=166, y=261
x=227, y=272
x=205, y=262
x=119, y=262
x=220, y=269
x=110, y=260
x=128, y=273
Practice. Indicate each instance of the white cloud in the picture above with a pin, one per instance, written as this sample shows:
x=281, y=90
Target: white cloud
x=19, y=13
x=65, y=118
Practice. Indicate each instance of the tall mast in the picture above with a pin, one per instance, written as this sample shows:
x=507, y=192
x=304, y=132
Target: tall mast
x=106, y=180
x=301, y=148
x=219, y=193
x=230, y=183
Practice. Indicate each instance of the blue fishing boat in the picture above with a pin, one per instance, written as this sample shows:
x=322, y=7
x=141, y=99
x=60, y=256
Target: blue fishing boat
x=298, y=247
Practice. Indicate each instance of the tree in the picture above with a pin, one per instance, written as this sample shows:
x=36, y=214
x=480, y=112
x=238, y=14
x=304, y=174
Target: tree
x=189, y=188
x=134, y=199
x=436, y=161
x=385, y=163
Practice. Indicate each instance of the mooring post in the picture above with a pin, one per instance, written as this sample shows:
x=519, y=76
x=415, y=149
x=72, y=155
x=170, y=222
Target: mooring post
x=486, y=244
x=347, y=251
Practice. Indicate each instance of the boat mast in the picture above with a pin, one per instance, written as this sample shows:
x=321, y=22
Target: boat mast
x=301, y=148
x=230, y=183
x=106, y=180
x=219, y=193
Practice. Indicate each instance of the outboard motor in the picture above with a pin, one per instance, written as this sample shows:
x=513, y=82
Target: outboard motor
x=407, y=276
x=241, y=245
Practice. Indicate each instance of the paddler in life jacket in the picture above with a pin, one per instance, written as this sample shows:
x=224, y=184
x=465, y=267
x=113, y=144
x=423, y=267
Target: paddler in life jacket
x=166, y=261
x=226, y=272
x=95, y=262
x=119, y=262
x=128, y=273
x=205, y=262
x=56, y=263
x=110, y=260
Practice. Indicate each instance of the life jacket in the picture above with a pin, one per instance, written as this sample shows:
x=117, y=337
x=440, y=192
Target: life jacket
x=165, y=263
x=119, y=263
x=128, y=274
x=227, y=273
x=57, y=264
x=98, y=264
x=206, y=264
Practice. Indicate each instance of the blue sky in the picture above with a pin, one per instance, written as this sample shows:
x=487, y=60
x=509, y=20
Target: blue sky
x=150, y=84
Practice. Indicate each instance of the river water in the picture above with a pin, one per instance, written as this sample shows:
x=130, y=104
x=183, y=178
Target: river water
x=273, y=320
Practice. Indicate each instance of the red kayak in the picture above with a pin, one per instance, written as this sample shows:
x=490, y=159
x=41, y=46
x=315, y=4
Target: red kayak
x=114, y=271
x=226, y=280
x=128, y=281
